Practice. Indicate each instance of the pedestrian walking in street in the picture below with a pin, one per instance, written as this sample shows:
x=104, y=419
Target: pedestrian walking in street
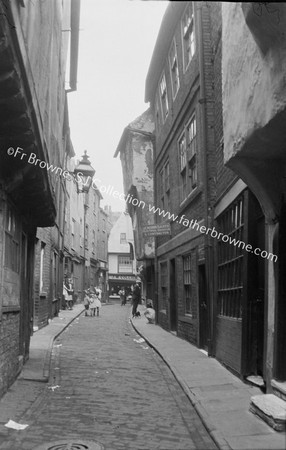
x=122, y=294
x=136, y=299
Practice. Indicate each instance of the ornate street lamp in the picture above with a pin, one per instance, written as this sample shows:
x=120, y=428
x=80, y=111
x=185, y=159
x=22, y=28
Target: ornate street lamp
x=84, y=173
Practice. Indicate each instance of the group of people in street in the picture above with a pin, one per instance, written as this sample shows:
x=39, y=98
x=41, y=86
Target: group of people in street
x=149, y=313
x=92, y=302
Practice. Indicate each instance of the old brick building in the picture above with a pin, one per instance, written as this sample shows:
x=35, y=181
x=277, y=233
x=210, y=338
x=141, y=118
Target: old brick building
x=34, y=134
x=180, y=89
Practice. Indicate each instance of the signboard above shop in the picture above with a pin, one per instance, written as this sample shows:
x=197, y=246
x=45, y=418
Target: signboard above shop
x=157, y=230
x=122, y=277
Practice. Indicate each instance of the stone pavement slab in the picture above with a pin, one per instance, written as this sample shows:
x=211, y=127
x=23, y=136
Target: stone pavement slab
x=221, y=399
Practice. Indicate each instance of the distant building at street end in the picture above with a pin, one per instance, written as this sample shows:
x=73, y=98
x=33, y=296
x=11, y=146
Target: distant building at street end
x=121, y=263
x=136, y=148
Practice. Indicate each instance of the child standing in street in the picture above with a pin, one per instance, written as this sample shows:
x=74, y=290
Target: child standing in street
x=92, y=306
x=86, y=303
x=97, y=303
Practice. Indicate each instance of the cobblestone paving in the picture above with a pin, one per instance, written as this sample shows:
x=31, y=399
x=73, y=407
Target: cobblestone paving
x=112, y=390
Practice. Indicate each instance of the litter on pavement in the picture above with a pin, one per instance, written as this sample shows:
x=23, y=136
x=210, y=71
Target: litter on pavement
x=53, y=387
x=139, y=340
x=15, y=425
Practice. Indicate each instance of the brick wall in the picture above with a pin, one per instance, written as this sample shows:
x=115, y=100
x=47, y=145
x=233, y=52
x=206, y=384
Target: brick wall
x=9, y=350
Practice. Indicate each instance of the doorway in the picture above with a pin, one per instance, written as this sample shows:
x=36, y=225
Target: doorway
x=256, y=288
x=280, y=338
x=26, y=295
x=203, y=307
x=173, y=297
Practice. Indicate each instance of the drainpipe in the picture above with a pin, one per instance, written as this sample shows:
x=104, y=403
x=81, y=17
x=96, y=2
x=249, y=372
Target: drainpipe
x=74, y=44
x=202, y=102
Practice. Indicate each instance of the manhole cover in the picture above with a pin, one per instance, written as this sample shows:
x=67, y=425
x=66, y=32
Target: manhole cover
x=75, y=444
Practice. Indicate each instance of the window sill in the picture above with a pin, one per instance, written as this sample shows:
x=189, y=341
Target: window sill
x=190, y=198
x=187, y=319
x=10, y=309
x=43, y=294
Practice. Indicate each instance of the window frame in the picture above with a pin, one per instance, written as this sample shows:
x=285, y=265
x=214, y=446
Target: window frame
x=187, y=154
x=174, y=69
x=188, y=35
x=164, y=186
x=230, y=265
x=12, y=249
x=123, y=240
x=163, y=94
x=187, y=284
x=122, y=264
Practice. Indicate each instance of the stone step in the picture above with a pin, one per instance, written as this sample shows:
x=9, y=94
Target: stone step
x=271, y=409
x=279, y=388
x=256, y=380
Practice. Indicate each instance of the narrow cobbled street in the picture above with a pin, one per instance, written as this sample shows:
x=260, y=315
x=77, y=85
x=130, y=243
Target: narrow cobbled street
x=107, y=386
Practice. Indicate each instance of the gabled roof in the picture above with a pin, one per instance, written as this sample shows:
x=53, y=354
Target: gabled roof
x=143, y=124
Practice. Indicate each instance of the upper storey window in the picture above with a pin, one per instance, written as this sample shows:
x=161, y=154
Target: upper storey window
x=188, y=34
x=187, y=145
x=174, y=69
x=164, y=97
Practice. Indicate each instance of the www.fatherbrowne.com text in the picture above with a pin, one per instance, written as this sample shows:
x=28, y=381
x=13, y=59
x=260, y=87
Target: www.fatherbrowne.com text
x=109, y=190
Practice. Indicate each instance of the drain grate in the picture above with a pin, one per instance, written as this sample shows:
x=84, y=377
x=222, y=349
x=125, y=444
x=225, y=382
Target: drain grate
x=75, y=444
